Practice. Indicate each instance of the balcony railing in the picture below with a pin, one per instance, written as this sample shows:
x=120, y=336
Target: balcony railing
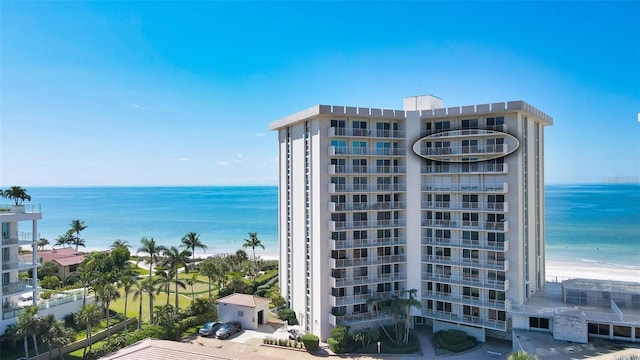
x=335, y=131
x=20, y=209
x=370, y=260
x=464, y=168
x=348, y=206
x=464, y=319
x=368, y=279
x=371, y=151
x=365, y=169
x=477, y=187
x=365, y=224
x=502, y=265
x=356, y=318
x=439, y=223
x=468, y=300
x=464, y=150
x=22, y=238
x=10, y=265
x=19, y=286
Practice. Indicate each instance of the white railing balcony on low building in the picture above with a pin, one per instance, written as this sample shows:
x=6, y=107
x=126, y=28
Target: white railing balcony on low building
x=349, y=244
x=348, y=300
x=464, y=319
x=28, y=208
x=10, y=265
x=19, y=287
x=356, y=318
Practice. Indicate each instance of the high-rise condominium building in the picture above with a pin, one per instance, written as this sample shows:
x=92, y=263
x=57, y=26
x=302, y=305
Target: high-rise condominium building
x=445, y=201
x=19, y=228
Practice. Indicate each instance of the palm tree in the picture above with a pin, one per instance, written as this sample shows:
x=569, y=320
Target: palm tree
x=521, y=355
x=175, y=258
x=208, y=269
x=253, y=242
x=107, y=293
x=126, y=281
x=163, y=279
x=77, y=226
x=65, y=239
x=120, y=243
x=17, y=194
x=192, y=241
x=150, y=247
x=42, y=243
x=138, y=293
x=28, y=323
x=89, y=315
x=57, y=337
x=191, y=282
x=146, y=286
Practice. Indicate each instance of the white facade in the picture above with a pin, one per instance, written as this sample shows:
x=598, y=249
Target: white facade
x=371, y=205
x=250, y=310
x=19, y=228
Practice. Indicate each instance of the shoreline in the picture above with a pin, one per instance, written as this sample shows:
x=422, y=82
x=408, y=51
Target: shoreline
x=556, y=270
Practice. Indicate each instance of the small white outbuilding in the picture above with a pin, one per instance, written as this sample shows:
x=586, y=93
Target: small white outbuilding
x=250, y=310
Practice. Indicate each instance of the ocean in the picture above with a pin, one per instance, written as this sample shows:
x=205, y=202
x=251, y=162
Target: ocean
x=587, y=223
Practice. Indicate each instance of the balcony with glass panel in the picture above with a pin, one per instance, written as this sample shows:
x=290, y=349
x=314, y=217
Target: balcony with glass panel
x=365, y=261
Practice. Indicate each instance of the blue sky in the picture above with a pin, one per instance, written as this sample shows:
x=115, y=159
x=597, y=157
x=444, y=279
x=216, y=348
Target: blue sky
x=146, y=93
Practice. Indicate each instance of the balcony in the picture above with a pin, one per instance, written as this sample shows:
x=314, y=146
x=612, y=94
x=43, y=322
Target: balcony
x=464, y=319
x=502, y=226
x=356, y=318
x=18, y=287
x=362, y=243
x=465, y=168
x=29, y=208
x=436, y=204
x=348, y=300
x=454, y=151
x=389, y=187
x=504, y=305
x=374, y=133
x=362, y=280
x=364, y=169
x=22, y=238
x=439, y=223
x=467, y=281
x=364, y=261
x=10, y=265
x=477, y=187
x=369, y=151
x=502, y=265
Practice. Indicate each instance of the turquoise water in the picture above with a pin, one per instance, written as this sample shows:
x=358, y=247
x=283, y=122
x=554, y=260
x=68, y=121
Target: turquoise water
x=591, y=223
x=223, y=216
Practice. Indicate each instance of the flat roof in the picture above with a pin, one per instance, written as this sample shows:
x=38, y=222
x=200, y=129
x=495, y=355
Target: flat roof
x=363, y=112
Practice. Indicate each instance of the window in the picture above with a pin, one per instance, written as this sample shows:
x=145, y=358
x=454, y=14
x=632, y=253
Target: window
x=359, y=308
x=359, y=165
x=470, y=235
x=598, y=329
x=360, y=183
x=360, y=253
x=359, y=128
x=470, y=124
x=338, y=292
x=362, y=289
x=360, y=235
x=495, y=144
x=240, y=313
x=471, y=292
x=497, y=315
x=469, y=146
x=538, y=323
x=384, y=251
x=442, y=125
x=338, y=123
x=359, y=147
x=470, y=274
x=495, y=123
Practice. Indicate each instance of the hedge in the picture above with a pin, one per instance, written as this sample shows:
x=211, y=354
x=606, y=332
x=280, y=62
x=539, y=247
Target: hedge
x=311, y=342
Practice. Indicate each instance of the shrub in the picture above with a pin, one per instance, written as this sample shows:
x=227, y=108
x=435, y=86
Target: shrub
x=453, y=341
x=311, y=342
x=341, y=335
x=288, y=315
x=334, y=345
x=521, y=355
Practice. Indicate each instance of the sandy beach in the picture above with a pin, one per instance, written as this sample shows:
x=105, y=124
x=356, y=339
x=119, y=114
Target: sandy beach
x=563, y=270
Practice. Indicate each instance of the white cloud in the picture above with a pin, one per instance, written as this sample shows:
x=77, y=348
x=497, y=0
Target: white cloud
x=223, y=163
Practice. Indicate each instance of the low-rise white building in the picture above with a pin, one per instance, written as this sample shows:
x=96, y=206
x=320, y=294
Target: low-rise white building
x=250, y=310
